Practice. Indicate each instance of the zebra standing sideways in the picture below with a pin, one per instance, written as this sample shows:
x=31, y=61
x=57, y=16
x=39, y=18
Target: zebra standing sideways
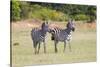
x=62, y=35
x=38, y=36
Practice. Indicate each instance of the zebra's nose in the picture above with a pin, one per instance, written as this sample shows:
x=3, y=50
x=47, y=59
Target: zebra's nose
x=73, y=29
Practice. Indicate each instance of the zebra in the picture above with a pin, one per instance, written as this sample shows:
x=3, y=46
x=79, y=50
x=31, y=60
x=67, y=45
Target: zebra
x=62, y=35
x=38, y=36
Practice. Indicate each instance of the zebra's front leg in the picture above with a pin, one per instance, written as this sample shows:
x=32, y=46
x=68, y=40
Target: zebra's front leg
x=44, y=47
x=39, y=47
x=35, y=48
x=56, y=47
x=64, y=46
x=69, y=46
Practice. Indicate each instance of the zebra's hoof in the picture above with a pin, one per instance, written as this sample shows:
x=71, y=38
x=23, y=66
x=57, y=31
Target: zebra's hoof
x=56, y=51
x=37, y=52
x=64, y=51
x=45, y=52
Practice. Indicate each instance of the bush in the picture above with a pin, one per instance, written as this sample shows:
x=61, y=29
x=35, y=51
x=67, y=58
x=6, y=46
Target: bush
x=81, y=17
x=25, y=9
x=56, y=12
x=15, y=10
x=47, y=14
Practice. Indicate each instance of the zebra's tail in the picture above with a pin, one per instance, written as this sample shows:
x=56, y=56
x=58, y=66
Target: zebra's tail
x=52, y=31
x=52, y=37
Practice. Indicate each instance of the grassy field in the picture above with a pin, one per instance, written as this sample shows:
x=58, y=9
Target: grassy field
x=83, y=47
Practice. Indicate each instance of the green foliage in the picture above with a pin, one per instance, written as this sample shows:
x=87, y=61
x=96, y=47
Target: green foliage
x=47, y=14
x=91, y=13
x=15, y=10
x=25, y=9
x=51, y=11
x=81, y=17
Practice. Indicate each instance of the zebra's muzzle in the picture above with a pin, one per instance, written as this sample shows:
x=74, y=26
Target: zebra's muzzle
x=73, y=29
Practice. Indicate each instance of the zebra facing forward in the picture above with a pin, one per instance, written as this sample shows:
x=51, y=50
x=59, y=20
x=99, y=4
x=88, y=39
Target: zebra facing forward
x=62, y=35
x=38, y=36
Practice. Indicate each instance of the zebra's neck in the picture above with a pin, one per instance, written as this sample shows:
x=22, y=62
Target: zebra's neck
x=43, y=32
x=68, y=30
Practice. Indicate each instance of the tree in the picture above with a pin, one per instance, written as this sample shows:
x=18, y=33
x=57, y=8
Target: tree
x=25, y=10
x=15, y=10
x=91, y=13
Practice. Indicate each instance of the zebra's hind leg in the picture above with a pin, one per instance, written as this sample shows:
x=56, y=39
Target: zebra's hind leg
x=35, y=47
x=39, y=47
x=64, y=46
x=56, y=42
x=44, y=47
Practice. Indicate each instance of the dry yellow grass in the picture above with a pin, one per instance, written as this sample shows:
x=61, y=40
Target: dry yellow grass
x=83, y=47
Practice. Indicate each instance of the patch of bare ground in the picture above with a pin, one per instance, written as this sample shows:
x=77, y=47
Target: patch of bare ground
x=37, y=23
x=26, y=23
x=86, y=25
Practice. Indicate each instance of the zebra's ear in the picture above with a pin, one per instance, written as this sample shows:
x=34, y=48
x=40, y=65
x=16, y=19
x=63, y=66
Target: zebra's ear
x=46, y=22
x=67, y=24
x=43, y=24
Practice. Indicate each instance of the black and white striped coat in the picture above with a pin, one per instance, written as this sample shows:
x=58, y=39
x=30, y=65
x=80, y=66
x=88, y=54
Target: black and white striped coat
x=38, y=36
x=62, y=35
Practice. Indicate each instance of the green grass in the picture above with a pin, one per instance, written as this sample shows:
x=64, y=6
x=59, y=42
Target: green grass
x=83, y=49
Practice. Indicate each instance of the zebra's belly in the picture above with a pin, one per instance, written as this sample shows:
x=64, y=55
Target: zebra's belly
x=38, y=39
x=63, y=38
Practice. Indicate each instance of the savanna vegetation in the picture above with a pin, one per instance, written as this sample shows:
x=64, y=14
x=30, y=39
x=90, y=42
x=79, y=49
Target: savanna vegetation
x=21, y=10
x=83, y=39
